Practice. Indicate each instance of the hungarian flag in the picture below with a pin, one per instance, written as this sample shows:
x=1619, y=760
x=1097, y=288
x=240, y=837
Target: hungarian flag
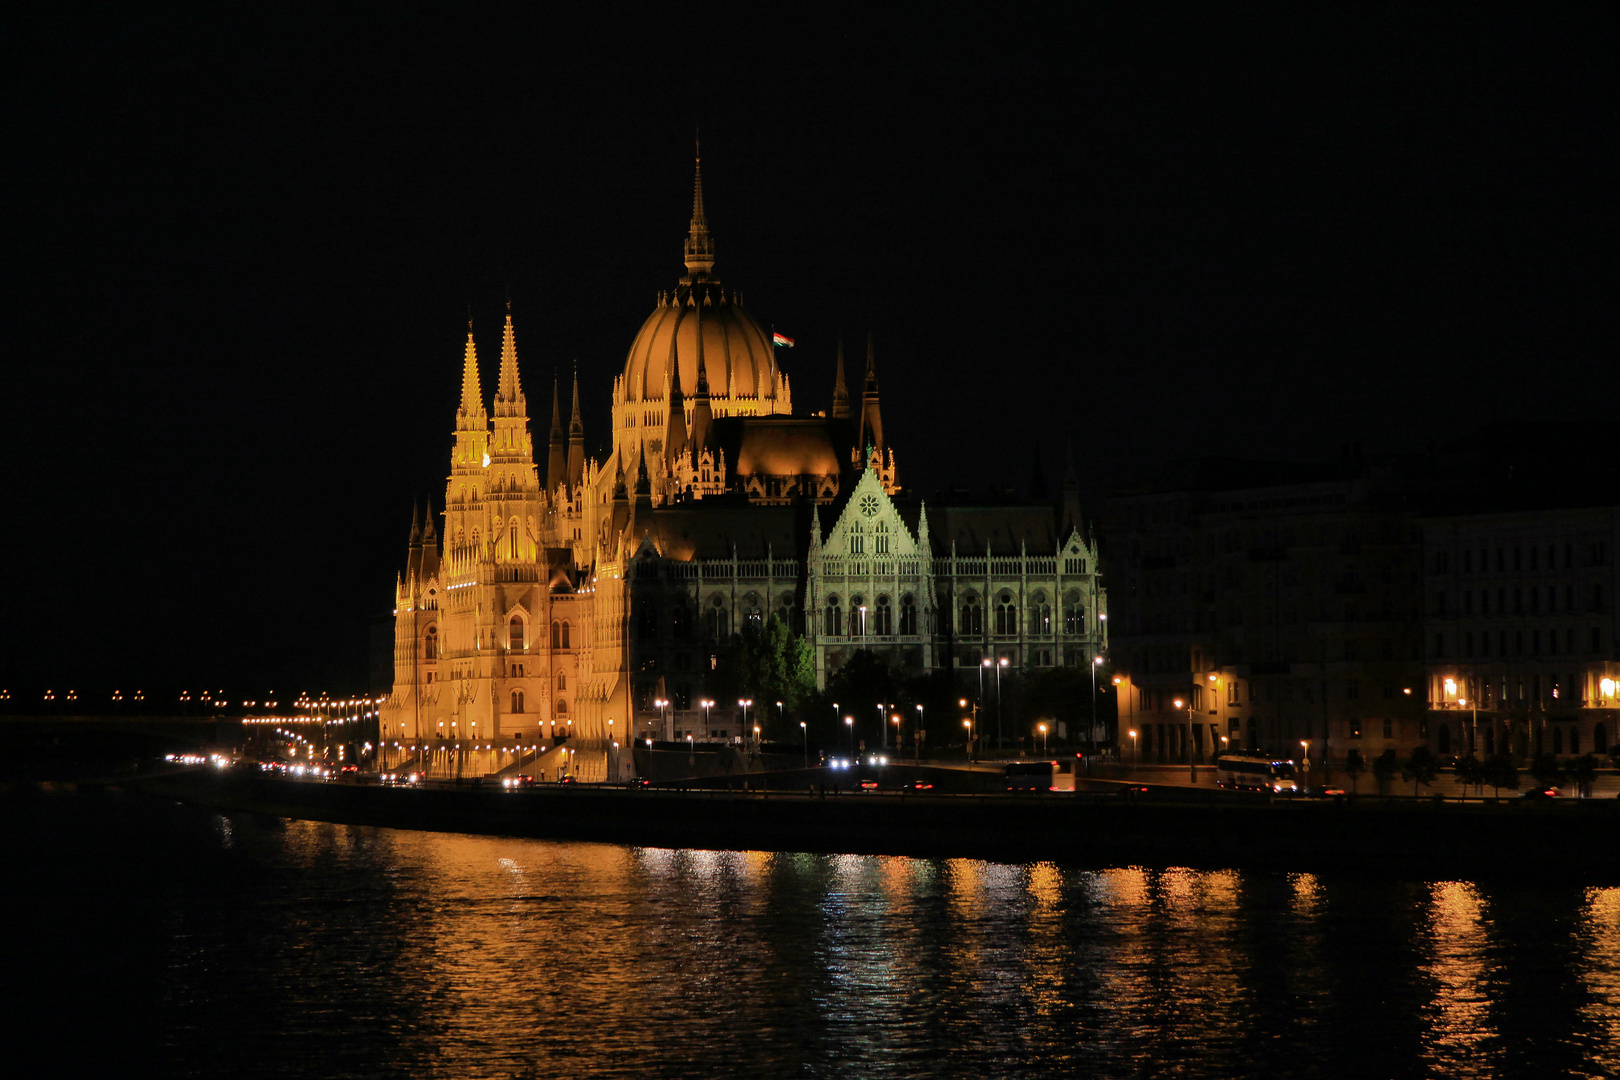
x=781, y=339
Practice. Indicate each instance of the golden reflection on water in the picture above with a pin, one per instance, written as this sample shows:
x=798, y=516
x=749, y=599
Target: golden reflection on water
x=517, y=953
x=1458, y=1015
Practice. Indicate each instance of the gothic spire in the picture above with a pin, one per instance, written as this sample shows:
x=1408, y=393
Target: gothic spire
x=576, y=441
x=472, y=393
x=509, y=392
x=557, y=464
x=840, y=403
x=871, y=430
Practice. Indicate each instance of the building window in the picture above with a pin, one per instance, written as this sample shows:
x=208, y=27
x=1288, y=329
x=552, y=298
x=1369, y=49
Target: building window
x=562, y=708
x=753, y=616
x=517, y=701
x=430, y=644
x=716, y=620
x=972, y=617
x=880, y=543
x=835, y=617
x=1389, y=728
x=883, y=621
x=681, y=620
x=908, y=615
x=562, y=681
x=1352, y=689
x=1006, y=615
x=857, y=616
x=1040, y=615
x=857, y=543
x=1074, y=616
x=514, y=635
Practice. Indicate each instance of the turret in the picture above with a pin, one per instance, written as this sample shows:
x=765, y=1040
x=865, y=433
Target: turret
x=675, y=433
x=699, y=244
x=702, y=414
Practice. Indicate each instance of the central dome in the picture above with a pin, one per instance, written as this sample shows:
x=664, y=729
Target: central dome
x=737, y=355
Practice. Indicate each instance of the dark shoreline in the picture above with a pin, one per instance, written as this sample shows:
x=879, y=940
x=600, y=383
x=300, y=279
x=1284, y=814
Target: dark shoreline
x=1575, y=839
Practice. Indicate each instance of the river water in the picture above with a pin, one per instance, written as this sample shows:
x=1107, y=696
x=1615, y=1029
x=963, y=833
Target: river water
x=151, y=938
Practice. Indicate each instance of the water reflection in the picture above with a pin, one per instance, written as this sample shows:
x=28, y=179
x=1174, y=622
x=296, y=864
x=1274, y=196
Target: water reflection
x=324, y=950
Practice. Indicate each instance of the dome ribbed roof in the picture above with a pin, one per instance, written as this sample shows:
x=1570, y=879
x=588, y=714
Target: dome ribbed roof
x=736, y=350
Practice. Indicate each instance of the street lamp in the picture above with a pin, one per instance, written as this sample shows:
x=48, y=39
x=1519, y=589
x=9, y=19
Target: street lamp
x=1096, y=662
x=745, y=702
x=883, y=729
x=849, y=722
x=804, y=737
x=899, y=742
x=1305, y=765
x=707, y=705
x=917, y=734
x=1192, y=770
x=663, y=717
x=1042, y=729
x=1135, y=757
x=968, y=723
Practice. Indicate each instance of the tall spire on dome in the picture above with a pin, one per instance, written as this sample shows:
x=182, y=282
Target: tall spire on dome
x=840, y=404
x=702, y=414
x=699, y=244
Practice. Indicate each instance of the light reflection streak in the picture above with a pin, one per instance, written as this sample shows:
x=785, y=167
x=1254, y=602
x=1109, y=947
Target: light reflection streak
x=1458, y=1014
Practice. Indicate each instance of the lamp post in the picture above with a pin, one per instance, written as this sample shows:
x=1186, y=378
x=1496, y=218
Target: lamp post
x=1192, y=770
x=1096, y=662
x=804, y=737
x=999, y=665
x=707, y=705
x=1135, y=757
x=663, y=717
x=899, y=740
x=1042, y=728
x=745, y=702
x=1305, y=765
x=883, y=729
x=916, y=735
x=849, y=723
x=968, y=723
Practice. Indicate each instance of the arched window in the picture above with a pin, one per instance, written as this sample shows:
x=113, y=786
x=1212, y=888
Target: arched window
x=514, y=633
x=835, y=617
x=857, y=543
x=562, y=708
x=972, y=617
x=512, y=532
x=908, y=615
x=430, y=644
x=880, y=543
x=562, y=682
x=1575, y=739
x=1006, y=615
x=1558, y=739
x=517, y=701
x=681, y=621
x=1040, y=615
x=788, y=613
x=1600, y=739
x=1443, y=738
x=883, y=618
x=857, y=616
x=753, y=617
x=1074, y=616
x=716, y=620
x=565, y=635
x=556, y=635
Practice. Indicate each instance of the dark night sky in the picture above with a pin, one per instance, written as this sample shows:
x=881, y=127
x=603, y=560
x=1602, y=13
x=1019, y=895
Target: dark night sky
x=243, y=256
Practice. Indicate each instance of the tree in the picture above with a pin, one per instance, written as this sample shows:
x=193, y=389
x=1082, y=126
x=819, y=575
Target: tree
x=1583, y=772
x=1544, y=767
x=1471, y=773
x=1500, y=772
x=768, y=663
x=1384, y=767
x=1354, y=766
x=1420, y=767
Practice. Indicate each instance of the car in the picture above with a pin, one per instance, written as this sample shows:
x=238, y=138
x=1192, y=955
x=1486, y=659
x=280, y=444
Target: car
x=919, y=785
x=1130, y=791
x=512, y=783
x=1541, y=794
x=565, y=780
x=636, y=782
x=869, y=785
x=1323, y=793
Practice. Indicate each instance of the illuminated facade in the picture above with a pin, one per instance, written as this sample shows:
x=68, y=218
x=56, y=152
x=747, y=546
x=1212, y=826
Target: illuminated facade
x=570, y=607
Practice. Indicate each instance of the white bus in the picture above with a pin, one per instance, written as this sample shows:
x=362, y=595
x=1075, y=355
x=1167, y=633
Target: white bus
x=1256, y=774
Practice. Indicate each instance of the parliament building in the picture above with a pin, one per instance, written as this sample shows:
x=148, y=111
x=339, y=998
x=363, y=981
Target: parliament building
x=573, y=609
